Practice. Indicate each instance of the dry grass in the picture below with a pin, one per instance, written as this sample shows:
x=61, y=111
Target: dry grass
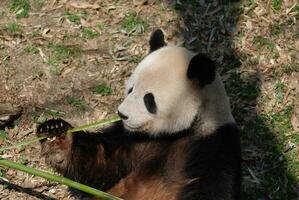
x=67, y=59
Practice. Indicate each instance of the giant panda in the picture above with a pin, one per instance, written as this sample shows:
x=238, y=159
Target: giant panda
x=177, y=138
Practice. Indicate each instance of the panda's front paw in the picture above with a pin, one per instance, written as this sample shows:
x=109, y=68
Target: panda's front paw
x=56, y=148
x=53, y=127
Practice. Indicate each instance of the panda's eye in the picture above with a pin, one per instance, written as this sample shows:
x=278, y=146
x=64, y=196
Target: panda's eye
x=130, y=90
x=149, y=102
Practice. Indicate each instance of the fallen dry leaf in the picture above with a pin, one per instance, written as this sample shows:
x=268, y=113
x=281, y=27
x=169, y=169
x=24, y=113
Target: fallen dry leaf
x=82, y=5
x=295, y=122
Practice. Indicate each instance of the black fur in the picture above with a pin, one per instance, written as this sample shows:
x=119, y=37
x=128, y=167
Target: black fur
x=157, y=40
x=150, y=103
x=201, y=68
x=216, y=161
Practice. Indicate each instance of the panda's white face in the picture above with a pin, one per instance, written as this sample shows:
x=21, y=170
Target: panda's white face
x=172, y=87
x=159, y=96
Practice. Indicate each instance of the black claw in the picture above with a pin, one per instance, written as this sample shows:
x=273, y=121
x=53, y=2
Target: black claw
x=53, y=127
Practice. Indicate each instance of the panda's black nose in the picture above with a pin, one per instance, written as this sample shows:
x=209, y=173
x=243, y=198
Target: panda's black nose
x=122, y=116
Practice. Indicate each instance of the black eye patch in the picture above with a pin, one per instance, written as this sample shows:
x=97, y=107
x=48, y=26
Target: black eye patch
x=149, y=102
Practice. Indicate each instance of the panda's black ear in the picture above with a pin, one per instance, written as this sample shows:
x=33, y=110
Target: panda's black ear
x=157, y=40
x=201, y=68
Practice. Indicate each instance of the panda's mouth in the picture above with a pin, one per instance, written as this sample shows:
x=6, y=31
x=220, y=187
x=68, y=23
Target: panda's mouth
x=132, y=128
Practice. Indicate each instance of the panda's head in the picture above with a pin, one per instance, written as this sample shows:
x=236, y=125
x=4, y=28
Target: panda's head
x=166, y=92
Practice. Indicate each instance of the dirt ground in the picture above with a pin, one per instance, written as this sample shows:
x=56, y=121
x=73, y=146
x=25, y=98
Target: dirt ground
x=70, y=59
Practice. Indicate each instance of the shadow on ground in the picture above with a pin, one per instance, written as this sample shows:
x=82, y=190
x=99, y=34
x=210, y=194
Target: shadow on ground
x=210, y=28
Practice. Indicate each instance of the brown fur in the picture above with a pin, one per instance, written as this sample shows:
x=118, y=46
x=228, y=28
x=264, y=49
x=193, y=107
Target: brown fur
x=152, y=169
x=133, y=188
x=140, y=185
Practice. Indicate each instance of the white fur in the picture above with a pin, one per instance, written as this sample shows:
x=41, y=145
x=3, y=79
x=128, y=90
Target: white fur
x=179, y=100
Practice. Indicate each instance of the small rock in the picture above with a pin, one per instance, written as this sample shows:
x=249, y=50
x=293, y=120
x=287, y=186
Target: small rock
x=8, y=113
x=52, y=191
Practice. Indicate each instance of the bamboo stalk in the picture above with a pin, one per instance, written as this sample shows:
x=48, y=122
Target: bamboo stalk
x=59, y=179
x=93, y=125
x=73, y=130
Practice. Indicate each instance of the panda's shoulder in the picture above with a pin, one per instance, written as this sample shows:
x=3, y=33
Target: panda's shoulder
x=226, y=135
x=221, y=146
